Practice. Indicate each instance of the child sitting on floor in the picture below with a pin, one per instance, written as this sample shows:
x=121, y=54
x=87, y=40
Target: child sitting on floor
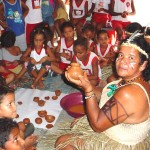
x=88, y=60
x=88, y=31
x=10, y=54
x=8, y=110
x=103, y=49
x=64, y=50
x=39, y=59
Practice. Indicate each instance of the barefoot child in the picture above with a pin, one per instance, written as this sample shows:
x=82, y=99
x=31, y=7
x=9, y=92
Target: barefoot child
x=38, y=59
x=88, y=60
x=8, y=110
x=64, y=50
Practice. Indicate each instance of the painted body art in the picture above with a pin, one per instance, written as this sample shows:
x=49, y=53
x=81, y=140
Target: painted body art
x=117, y=59
x=111, y=110
x=132, y=64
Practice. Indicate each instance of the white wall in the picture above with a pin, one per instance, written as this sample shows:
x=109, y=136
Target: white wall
x=142, y=12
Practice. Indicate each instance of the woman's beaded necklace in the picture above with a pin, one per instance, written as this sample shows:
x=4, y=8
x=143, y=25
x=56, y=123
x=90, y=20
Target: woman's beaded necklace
x=114, y=87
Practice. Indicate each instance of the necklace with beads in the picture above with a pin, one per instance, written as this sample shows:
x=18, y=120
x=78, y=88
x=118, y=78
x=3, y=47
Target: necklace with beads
x=113, y=87
x=123, y=82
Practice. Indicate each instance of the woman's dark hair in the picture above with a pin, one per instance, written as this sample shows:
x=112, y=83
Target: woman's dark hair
x=81, y=41
x=140, y=42
x=102, y=32
x=34, y=33
x=88, y=26
x=4, y=90
x=45, y=26
x=6, y=126
x=132, y=27
x=65, y=25
x=8, y=39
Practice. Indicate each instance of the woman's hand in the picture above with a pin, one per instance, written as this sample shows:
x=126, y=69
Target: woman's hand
x=83, y=81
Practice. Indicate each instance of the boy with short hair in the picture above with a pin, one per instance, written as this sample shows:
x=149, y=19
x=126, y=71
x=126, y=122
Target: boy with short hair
x=64, y=50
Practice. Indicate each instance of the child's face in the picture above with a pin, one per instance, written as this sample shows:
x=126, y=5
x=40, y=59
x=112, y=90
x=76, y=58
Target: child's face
x=38, y=41
x=103, y=39
x=7, y=106
x=81, y=52
x=68, y=33
x=88, y=34
x=15, y=142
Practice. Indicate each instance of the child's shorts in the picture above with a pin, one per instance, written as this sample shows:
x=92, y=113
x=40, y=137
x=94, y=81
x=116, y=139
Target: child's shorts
x=61, y=14
x=63, y=66
x=100, y=17
x=16, y=70
x=49, y=20
x=116, y=23
x=29, y=29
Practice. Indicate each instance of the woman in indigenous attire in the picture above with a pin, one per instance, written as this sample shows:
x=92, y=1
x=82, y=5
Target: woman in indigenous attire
x=121, y=118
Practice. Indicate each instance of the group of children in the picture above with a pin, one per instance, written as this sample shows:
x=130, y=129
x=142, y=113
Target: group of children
x=93, y=51
x=39, y=59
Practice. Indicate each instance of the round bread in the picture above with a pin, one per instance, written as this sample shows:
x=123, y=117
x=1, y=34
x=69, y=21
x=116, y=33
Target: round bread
x=36, y=99
x=57, y=92
x=47, y=98
x=49, y=118
x=26, y=120
x=42, y=113
x=48, y=126
x=38, y=120
x=41, y=103
x=54, y=97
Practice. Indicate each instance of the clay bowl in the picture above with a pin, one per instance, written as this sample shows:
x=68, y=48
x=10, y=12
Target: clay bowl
x=42, y=113
x=38, y=120
x=73, y=104
x=26, y=120
x=49, y=118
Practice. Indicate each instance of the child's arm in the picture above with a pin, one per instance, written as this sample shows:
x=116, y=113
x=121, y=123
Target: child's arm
x=2, y=22
x=25, y=9
x=70, y=11
x=58, y=54
x=26, y=55
x=91, y=10
x=57, y=50
x=94, y=76
x=51, y=56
